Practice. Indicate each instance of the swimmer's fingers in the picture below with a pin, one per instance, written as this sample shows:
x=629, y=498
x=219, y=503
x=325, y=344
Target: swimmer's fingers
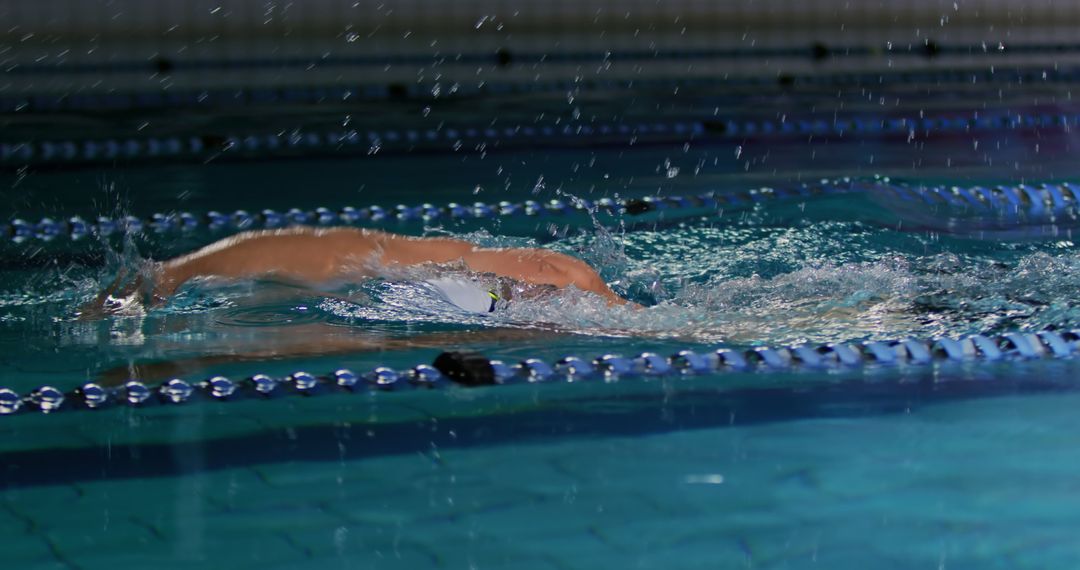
x=110, y=291
x=120, y=296
x=96, y=308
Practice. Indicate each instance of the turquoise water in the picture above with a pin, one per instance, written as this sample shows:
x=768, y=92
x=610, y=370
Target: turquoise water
x=954, y=466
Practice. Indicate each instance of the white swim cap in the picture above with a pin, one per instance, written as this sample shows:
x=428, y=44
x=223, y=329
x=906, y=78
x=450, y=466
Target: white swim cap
x=464, y=294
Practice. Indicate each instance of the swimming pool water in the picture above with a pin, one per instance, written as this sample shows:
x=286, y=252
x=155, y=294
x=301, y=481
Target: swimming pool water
x=780, y=472
x=830, y=269
x=950, y=465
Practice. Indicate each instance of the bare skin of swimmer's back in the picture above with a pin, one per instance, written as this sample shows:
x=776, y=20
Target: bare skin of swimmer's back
x=323, y=255
x=316, y=255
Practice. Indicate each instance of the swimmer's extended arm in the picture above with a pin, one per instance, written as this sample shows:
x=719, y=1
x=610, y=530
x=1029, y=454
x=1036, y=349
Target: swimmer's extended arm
x=322, y=255
x=296, y=254
x=541, y=267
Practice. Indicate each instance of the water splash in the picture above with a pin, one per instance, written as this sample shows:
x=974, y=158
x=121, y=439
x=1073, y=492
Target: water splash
x=756, y=280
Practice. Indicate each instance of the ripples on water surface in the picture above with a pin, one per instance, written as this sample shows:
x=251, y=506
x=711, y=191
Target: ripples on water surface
x=828, y=270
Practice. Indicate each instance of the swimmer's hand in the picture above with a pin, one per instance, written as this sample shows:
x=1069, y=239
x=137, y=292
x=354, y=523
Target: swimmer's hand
x=126, y=295
x=111, y=300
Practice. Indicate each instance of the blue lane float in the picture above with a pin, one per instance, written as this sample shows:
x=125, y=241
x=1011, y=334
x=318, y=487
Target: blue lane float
x=1009, y=205
x=470, y=370
x=79, y=228
x=262, y=144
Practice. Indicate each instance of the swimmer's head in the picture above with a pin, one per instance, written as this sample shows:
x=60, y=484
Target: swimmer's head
x=465, y=294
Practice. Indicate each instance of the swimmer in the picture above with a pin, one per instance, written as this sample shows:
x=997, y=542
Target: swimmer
x=315, y=256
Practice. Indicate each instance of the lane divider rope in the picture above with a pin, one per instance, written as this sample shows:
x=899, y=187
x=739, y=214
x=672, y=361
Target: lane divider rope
x=466, y=369
x=71, y=151
x=77, y=228
x=1008, y=204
